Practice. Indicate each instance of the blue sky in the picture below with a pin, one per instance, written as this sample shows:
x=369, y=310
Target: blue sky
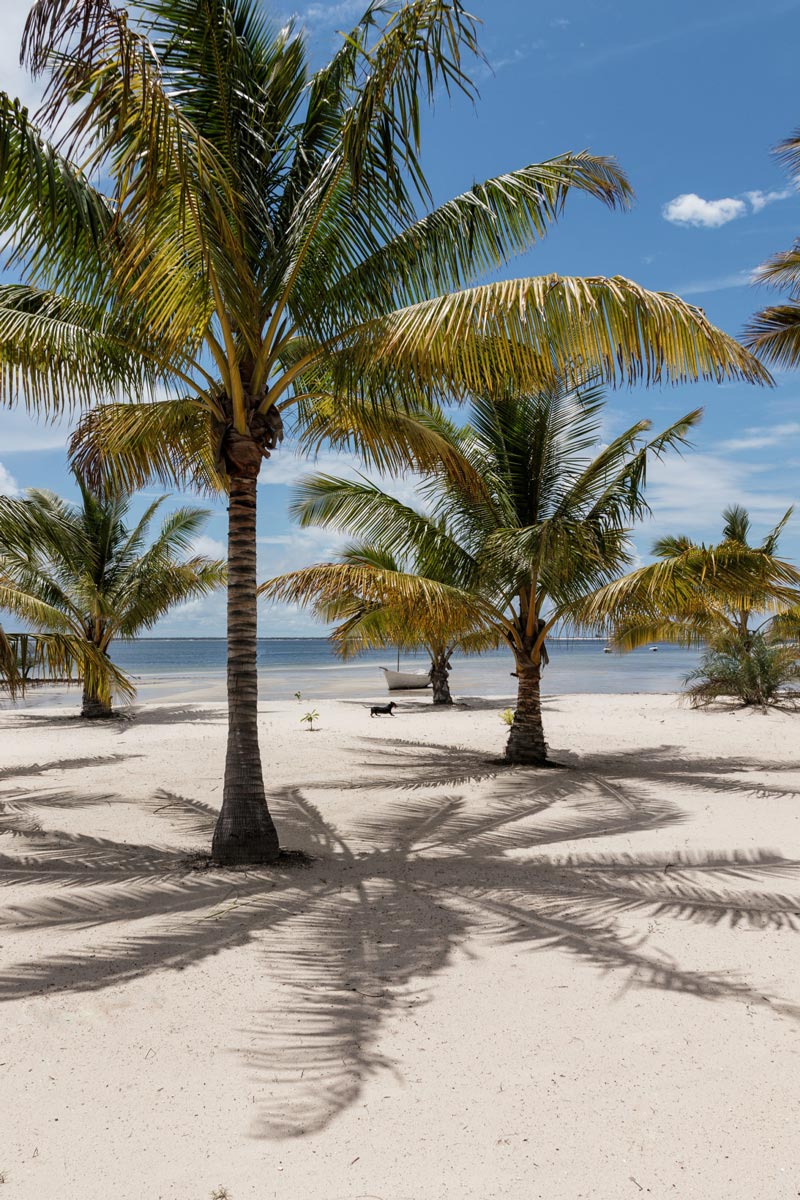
x=689, y=98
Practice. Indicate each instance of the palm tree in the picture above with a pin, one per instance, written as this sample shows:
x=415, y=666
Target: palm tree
x=368, y=623
x=774, y=333
x=80, y=573
x=522, y=522
x=27, y=658
x=266, y=250
x=735, y=598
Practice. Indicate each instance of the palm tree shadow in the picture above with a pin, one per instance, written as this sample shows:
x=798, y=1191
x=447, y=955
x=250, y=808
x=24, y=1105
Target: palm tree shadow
x=354, y=937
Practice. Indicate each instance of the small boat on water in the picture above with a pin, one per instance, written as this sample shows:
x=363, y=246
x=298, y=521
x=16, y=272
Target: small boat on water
x=398, y=681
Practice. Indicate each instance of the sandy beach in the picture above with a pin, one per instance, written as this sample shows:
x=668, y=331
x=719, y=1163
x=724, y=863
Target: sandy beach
x=487, y=982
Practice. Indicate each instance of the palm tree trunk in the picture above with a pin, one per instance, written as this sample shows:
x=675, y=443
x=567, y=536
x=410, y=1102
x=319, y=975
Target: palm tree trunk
x=244, y=832
x=526, y=744
x=439, y=673
x=94, y=706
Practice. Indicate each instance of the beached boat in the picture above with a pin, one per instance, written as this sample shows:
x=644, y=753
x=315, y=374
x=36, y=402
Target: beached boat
x=397, y=681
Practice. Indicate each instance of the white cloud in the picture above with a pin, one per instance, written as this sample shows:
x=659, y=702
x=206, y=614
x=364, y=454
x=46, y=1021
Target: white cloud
x=687, y=494
x=210, y=547
x=326, y=15
x=287, y=466
x=719, y=284
x=691, y=209
x=762, y=437
x=20, y=433
x=760, y=200
x=8, y=484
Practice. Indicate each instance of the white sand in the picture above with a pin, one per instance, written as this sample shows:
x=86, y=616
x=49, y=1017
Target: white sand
x=490, y=983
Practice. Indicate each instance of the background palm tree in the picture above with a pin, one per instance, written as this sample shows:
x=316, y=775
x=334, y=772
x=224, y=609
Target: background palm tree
x=774, y=332
x=79, y=572
x=266, y=249
x=735, y=598
x=525, y=527
x=366, y=622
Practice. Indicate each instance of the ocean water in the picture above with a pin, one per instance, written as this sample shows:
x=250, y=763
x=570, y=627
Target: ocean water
x=193, y=669
x=310, y=666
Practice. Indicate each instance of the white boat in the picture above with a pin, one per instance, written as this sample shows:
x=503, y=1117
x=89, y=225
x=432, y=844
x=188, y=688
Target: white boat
x=397, y=681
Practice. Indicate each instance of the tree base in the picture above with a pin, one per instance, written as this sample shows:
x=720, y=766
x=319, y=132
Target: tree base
x=252, y=844
x=97, y=712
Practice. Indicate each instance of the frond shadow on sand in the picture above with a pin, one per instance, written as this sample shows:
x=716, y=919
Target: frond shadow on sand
x=358, y=934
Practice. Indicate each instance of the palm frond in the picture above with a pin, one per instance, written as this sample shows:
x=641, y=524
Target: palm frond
x=528, y=331
x=774, y=334
x=131, y=445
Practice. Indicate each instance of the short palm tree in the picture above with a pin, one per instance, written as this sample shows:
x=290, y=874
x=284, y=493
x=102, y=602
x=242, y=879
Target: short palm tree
x=774, y=333
x=732, y=597
x=524, y=520
x=756, y=672
x=266, y=251
x=366, y=623
x=80, y=574
x=27, y=657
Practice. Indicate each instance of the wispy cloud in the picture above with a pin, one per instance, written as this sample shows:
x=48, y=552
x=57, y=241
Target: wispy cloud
x=327, y=16
x=21, y=433
x=687, y=494
x=8, y=484
x=211, y=547
x=691, y=209
x=720, y=283
x=16, y=81
x=761, y=437
x=760, y=199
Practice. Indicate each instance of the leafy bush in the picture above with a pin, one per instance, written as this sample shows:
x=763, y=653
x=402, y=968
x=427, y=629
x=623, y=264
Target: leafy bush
x=752, y=670
x=507, y=715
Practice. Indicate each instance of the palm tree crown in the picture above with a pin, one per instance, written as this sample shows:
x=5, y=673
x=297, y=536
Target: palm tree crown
x=694, y=594
x=81, y=572
x=523, y=522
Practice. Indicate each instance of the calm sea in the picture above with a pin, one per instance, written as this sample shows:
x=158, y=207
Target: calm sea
x=195, y=668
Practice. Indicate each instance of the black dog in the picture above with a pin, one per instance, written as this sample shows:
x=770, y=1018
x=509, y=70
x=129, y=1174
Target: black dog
x=382, y=710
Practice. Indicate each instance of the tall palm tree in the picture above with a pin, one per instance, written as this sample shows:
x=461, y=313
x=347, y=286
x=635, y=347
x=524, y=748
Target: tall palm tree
x=81, y=573
x=531, y=521
x=774, y=332
x=266, y=250
x=734, y=598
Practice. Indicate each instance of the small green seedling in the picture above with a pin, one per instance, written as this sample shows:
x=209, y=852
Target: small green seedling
x=221, y=1193
x=298, y=696
x=310, y=718
x=507, y=716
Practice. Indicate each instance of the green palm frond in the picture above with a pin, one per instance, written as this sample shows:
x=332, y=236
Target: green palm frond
x=131, y=445
x=470, y=235
x=54, y=351
x=774, y=334
x=419, y=599
x=528, y=331
x=56, y=220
